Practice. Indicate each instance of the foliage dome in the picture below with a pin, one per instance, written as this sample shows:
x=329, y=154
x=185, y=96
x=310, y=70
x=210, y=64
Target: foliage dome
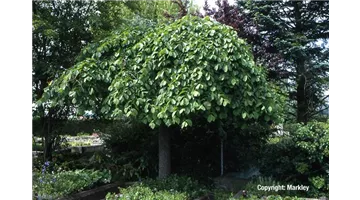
x=191, y=67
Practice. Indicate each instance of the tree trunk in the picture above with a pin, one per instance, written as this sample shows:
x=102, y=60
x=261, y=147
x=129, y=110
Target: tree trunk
x=48, y=142
x=222, y=157
x=301, y=92
x=164, y=152
x=302, y=104
x=48, y=138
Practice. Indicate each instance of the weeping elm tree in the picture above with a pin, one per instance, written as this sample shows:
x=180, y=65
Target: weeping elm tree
x=166, y=75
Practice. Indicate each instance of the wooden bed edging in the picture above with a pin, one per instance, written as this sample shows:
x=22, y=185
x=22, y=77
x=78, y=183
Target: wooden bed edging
x=96, y=193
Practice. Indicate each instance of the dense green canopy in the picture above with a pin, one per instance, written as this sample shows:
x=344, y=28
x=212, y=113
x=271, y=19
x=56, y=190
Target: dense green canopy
x=168, y=74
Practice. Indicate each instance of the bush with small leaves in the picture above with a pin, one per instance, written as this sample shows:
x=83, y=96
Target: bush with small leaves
x=177, y=183
x=173, y=187
x=57, y=184
x=302, y=157
x=130, y=150
x=141, y=192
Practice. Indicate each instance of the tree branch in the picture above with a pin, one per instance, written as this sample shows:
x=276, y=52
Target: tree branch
x=317, y=112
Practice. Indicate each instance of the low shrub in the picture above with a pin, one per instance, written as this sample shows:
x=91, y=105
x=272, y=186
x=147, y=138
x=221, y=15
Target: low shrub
x=79, y=143
x=172, y=187
x=57, y=184
x=221, y=194
x=83, y=134
x=271, y=197
x=181, y=187
x=177, y=183
x=37, y=147
x=141, y=192
x=130, y=150
x=68, y=161
x=302, y=157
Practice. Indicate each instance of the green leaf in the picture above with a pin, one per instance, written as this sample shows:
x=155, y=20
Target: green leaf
x=211, y=118
x=182, y=110
x=221, y=100
x=186, y=101
x=207, y=105
x=160, y=115
x=256, y=115
x=116, y=101
x=208, y=77
x=189, y=122
x=152, y=110
x=222, y=77
x=168, y=122
x=163, y=83
x=244, y=115
x=72, y=93
x=226, y=68
x=195, y=93
x=233, y=81
x=236, y=112
x=184, y=124
x=267, y=118
x=269, y=108
x=152, y=125
x=158, y=122
x=177, y=120
x=225, y=102
x=173, y=114
x=112, y=68
x=245, y=78
x=222, y=115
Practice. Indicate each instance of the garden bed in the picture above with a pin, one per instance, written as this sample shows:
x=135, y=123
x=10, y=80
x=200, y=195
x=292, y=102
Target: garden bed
x=53, y=183
x=96, y=193
x=185, y=188
x=82, y=140
x=73, y=144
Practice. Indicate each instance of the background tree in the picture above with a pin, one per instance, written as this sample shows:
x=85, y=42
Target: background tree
x=165, y=82
x=290, y=39
x=112, y=15
x=60, y=30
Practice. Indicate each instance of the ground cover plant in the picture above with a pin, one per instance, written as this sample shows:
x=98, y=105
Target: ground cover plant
x=51, y=183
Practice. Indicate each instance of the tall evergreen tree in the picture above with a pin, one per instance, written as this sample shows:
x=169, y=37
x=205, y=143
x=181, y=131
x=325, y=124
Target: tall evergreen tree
x=290, y=39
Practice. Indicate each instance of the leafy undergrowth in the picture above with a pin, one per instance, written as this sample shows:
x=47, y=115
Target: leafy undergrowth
x=181, y=188
x=56, y=184
x=37, y=147
x=141, y=192
x=220, y=194
x=174, y=187
x=271, y=197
